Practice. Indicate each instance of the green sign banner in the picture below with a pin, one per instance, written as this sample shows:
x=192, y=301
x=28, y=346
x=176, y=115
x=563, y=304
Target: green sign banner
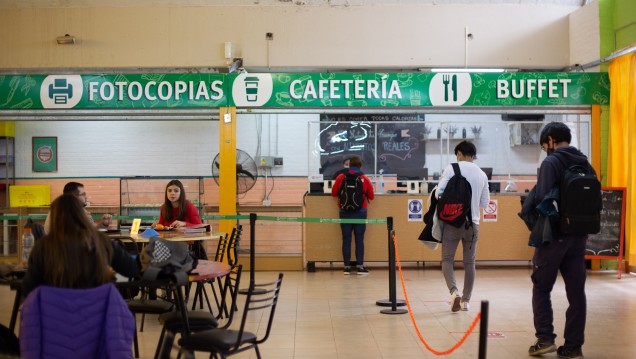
x=303, y=90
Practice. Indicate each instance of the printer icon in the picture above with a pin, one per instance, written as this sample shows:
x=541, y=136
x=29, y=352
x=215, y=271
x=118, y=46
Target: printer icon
x=60, y=91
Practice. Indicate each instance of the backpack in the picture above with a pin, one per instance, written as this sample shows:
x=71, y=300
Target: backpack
x=580, y=201
x=453, y=207
x=351, y=193
x=162, y=258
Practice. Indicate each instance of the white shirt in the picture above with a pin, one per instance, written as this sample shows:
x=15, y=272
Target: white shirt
x=478, y=183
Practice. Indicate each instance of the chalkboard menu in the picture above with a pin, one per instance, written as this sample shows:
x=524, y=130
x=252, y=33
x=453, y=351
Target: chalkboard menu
x=399, y=138
x=608, y=242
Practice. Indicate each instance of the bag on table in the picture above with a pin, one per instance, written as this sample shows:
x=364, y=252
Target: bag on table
x=162, y=258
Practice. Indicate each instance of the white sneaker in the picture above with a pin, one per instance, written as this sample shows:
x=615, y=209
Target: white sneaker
x=465, y=306
x=455, y=301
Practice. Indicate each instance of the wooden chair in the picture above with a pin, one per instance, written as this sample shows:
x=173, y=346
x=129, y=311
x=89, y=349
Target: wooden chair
x=225, y=342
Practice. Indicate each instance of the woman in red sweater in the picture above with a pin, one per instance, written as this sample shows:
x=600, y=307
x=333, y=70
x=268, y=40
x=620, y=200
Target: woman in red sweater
x=176, y=211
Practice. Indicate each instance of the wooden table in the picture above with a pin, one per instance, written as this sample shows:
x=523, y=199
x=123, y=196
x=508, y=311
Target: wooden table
x=171, y=235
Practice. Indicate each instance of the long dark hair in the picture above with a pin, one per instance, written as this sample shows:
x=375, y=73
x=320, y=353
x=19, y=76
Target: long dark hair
x=167, y=205
x=74, y=254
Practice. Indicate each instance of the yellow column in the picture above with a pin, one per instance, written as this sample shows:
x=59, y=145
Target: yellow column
x=227, y=167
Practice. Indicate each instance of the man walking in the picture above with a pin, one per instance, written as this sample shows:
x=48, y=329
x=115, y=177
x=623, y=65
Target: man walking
x=565, y=254
x=466, y=153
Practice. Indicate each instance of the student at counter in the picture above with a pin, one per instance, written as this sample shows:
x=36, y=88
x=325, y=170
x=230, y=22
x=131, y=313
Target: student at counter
x=73, y=253
x=345, y=169
x=349, y=229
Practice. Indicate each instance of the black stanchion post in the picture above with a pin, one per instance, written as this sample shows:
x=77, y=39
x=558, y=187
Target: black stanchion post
x=392, y=301
x=483, y=329
x=253, y=218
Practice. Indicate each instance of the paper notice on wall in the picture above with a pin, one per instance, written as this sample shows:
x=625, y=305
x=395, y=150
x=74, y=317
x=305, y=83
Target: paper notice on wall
x=491, y=211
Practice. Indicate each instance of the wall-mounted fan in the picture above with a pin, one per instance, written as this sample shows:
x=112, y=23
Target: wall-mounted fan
x=246, y=171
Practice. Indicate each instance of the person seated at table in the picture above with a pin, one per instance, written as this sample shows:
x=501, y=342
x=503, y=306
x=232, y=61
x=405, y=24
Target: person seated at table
x=74, y=254
x=77, y=189
x=178, y=212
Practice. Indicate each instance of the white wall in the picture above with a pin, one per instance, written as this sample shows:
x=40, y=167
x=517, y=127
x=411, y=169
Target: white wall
x=142, y=148
x=585, y=35
x=305, y=37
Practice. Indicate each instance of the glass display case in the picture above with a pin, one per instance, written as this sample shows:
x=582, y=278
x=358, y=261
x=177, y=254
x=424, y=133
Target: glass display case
x=142, y=197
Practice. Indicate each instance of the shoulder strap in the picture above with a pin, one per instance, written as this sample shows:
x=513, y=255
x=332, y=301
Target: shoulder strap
x=456, y=168
x=559, y=158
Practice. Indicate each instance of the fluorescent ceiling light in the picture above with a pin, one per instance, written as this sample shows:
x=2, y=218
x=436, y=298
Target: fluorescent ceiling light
x=464, y=69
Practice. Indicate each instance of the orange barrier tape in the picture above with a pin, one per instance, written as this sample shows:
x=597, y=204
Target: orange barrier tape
x=408, y=304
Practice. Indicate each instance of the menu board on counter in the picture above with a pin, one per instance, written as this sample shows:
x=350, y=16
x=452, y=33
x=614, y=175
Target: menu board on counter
x=396, y=142
x=609, y=241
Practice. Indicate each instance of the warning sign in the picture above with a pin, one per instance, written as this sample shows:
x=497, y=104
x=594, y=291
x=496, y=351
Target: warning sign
x=491, y=211
x=415, y=210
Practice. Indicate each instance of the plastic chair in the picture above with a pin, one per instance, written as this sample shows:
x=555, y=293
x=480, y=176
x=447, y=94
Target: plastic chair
x=225, y=342
x=199, y=320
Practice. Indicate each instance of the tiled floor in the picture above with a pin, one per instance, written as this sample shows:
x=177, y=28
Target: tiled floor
x=328, y=315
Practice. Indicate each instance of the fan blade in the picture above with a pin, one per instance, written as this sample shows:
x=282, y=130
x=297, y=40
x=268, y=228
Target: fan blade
x=243, y=172
x=216, y=163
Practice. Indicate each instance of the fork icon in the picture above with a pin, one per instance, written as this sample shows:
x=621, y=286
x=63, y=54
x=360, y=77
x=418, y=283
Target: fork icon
x=446, y=81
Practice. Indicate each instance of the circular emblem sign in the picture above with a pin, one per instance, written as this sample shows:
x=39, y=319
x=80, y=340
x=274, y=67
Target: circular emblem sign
x=45, y=154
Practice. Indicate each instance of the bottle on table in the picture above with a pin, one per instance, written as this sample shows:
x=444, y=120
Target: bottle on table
x=27, y=244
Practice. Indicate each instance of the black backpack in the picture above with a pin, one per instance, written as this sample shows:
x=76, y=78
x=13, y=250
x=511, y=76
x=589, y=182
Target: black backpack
x=580, y=200
x=453, y=207
x=351, y=193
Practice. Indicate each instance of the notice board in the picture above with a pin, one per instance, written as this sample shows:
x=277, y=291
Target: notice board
x=392, y=142
x=609, y=242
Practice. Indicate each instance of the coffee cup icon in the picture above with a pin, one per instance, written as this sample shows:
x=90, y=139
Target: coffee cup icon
x=251, y=88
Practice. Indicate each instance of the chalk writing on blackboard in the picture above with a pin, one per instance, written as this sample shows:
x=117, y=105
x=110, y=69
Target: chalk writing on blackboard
x=607, y=241
x=383, y=142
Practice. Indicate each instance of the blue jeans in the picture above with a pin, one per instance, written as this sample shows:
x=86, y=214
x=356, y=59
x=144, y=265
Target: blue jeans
x=349, y=229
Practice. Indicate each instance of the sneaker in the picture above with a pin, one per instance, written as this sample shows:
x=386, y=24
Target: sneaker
x=541, y=348
x=362, y=270
x=347, y=270
x=465, y=306
x=455, y=301
x=570, y=353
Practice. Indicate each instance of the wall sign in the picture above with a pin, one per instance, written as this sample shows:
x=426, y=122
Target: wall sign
x=305, y=90
x=44, y=154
